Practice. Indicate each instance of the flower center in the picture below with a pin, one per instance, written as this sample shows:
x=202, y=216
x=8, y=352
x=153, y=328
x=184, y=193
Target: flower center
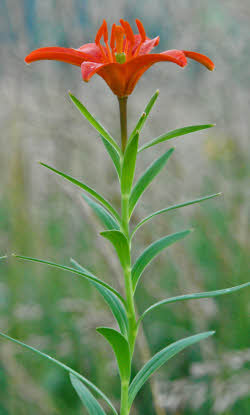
x=123, y=44
x=120, y=57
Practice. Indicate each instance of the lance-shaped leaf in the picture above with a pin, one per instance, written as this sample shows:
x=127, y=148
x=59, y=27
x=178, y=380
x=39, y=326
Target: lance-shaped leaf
x=121, y=350
x=120, y=243
x=145, y=180
x=159, y=359
x=145, y=114
x=196, y=296
x=180, y=205
x=175, y=133
x=105, y=217
x=114, y=155
x=96, y=124
x=87, y=189
x=152, y=251
x=89, y=401
x=111, y=299
x=87, y=276
x=67, y=368
x=128, y=165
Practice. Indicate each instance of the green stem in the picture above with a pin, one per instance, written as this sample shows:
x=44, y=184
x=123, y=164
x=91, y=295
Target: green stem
x=124, y=399
x=132, y=329
x=123, y=121
x=130, y=305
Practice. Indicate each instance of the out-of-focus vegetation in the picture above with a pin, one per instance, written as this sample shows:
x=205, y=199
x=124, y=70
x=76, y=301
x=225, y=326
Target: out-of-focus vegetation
x=41, y=216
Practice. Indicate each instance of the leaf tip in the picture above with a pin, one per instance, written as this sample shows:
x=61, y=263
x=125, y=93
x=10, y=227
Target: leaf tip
x=157, y=92
x=42, y=164
x=100, y=330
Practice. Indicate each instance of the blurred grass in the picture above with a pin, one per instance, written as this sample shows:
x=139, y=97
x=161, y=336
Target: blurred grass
x=43, y=217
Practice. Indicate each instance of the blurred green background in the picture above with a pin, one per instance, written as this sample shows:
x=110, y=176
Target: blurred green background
x=44, y=217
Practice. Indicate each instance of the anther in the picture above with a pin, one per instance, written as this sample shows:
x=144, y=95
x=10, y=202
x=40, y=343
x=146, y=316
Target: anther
x=141, y=30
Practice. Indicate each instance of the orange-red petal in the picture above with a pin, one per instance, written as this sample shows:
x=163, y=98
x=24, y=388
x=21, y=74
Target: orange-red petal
x=148, y=45
x=68, y=55
x=92, y=51
x=89, y=69
x=122, y=78
x=175, y=56
x=138, y=66
x=203, y=59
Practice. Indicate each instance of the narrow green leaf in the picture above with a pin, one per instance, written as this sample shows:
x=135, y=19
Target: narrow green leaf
x=145, y=114
x=3, y=257
x=195, y=296
x=114, y=155
x=120, y=244
x=111, y=299
x=93, y=121
x=91, y=404
x=159, y=212
x=175, y=133
x=128, y=165
x=121, y=350
x=159, y=359
x=105, y=217
x=152, y=251
x=87, y=276
x=67, y=368
x=87, y=189
x=145, y=180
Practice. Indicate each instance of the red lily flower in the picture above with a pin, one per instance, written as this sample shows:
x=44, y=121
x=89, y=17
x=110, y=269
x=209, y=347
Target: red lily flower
x=120, y=63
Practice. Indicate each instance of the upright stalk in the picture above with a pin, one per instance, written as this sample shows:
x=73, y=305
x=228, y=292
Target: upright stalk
x=123, y=121
x=130, y=306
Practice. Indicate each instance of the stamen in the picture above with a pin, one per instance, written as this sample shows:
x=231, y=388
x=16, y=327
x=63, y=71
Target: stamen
x=103, y=31
x=103, y=53
x=112, y=41
x=99, y=35
x=142, y=34
x=106, y=38
x=128, y=31
x=141, y=30
x=130, y=38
